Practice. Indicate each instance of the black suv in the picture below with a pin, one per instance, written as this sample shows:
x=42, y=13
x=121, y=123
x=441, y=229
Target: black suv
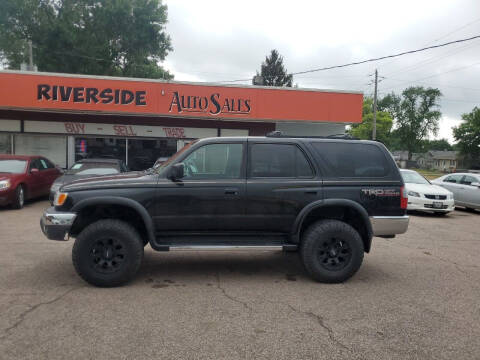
x=325, y=197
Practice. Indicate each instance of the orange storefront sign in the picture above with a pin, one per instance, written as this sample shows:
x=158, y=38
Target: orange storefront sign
x=45, y=91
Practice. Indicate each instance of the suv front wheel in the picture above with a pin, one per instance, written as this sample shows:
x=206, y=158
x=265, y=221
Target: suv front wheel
x=332, y=251
x=108, y=253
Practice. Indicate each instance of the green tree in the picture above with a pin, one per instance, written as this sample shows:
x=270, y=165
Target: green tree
x=467, y=136
x=273, y=71
x=109, y=37
x=441, y=144
x=364, y=129
x=416, y=115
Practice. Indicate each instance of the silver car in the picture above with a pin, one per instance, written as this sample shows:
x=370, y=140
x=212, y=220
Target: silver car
x=464, y=186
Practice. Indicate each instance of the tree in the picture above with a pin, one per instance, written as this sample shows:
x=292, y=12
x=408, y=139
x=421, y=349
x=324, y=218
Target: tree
x=273, y=71
x=416, y=115
x=364, y=130
x=441, y=145
x=110, y=37
x=467, y=136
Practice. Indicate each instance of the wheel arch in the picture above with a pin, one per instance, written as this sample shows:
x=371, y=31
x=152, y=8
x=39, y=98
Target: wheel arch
x=341, y=209
x=135, y=212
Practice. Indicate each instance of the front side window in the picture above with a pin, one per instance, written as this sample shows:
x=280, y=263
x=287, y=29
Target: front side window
x=278, y=161
x=214, y=161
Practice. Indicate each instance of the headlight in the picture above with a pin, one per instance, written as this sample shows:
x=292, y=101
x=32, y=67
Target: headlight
x=5, y=184
x=413, y=193
x=60, y=198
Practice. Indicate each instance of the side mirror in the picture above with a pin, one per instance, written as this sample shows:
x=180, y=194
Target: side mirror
x=477, y=184
x=176, y=172
x=34, y=171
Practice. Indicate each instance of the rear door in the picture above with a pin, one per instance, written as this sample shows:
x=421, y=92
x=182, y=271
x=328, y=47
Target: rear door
x=281, y=181
x=470, y=195
x=49, y=173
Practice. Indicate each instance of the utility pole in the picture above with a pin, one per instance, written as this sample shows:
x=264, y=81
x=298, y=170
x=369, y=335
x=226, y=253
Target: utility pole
x=30, y=56
x=374, y=127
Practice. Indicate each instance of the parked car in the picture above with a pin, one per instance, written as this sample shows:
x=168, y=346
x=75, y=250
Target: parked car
x=464, y=186
x=25, y=177
x=326, y=198
x=425, y=196
x=87, y=168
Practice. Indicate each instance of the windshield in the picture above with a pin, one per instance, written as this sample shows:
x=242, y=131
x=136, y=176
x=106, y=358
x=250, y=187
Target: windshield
x=158, y=168
x=13, y=166
x=412, y=177
x=94, y=169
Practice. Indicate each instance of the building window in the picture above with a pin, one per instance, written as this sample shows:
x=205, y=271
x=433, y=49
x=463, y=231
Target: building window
x=5, y=143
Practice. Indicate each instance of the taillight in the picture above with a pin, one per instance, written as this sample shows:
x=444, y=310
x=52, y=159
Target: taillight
x=403, y=197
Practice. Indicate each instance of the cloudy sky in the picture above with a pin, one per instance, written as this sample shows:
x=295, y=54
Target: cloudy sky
x=218, y=40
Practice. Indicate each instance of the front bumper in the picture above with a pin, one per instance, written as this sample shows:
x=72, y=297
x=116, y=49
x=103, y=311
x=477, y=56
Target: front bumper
x=56, y=225
x=7, y=196
x=389, y=225
x=424, y=204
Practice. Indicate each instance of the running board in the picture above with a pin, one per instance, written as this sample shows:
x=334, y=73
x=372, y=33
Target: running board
x=215, y=247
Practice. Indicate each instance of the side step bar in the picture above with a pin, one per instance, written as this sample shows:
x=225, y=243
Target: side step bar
x=215, y=247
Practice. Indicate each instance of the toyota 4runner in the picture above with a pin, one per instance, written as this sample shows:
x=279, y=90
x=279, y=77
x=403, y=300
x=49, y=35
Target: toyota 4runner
x=325, y=197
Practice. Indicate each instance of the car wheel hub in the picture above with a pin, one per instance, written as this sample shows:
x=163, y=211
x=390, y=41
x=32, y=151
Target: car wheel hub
x=334, y=254
x=107, y=255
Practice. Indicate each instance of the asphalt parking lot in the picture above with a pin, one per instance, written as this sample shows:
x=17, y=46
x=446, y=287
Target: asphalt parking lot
x=415, y=297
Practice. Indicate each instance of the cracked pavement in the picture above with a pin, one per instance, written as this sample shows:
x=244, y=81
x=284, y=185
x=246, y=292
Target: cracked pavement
x=415, y=297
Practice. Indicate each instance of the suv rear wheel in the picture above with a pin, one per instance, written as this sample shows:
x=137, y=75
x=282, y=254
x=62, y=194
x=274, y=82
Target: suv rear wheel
x=108, y=253
x=332, y=251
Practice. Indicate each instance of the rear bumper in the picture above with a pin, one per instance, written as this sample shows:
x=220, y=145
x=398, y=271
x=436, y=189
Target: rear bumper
x=389, y=225
x=56, y=225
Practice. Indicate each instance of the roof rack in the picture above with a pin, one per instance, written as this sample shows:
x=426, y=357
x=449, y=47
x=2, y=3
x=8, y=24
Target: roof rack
x=280, y=134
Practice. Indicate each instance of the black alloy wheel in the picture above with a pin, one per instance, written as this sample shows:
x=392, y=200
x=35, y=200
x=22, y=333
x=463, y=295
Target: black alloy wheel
x=108, y=255
x=334, y=254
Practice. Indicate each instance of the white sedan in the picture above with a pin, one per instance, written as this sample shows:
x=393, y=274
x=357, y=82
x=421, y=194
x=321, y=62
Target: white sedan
x=465, y=188
x=425, y=196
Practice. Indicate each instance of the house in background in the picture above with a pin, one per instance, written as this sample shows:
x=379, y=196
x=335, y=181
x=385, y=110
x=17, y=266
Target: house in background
x=445, y=161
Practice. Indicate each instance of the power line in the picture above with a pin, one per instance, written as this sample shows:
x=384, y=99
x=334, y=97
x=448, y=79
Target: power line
x=373, y=59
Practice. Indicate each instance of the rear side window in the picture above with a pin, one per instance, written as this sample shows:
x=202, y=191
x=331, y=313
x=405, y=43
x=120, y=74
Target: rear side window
x=278, y=161
x=352, y=160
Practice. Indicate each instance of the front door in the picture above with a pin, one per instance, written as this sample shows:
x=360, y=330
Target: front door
x=280, y=183
x=470, y=195
x=211, y=195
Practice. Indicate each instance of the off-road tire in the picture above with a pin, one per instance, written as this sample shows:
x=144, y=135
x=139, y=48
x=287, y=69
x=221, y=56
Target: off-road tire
x=107, y=253
x=19, y=197
x=331, y=251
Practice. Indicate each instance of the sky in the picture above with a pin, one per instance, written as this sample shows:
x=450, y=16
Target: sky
x=218, y=40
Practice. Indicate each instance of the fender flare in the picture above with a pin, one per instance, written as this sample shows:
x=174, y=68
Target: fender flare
x=113, y=200
x=297, y=225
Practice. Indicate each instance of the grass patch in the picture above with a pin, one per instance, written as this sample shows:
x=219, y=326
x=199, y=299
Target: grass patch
x=429, y=174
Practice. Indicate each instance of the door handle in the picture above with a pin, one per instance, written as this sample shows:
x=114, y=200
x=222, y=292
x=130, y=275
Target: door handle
x=231, y=191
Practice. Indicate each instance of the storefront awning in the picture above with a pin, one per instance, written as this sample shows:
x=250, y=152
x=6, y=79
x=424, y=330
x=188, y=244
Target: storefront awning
x=109, y=95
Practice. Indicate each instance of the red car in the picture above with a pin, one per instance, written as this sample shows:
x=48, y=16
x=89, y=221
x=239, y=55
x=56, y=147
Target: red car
x=25, y=177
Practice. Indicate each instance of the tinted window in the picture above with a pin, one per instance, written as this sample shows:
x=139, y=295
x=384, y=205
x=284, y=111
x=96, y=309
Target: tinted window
x=37, y=164
x=278, y=160
x=214, y=161
x=352, y=160
x=50, y=165
x=467, y=180
x=453, y=179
